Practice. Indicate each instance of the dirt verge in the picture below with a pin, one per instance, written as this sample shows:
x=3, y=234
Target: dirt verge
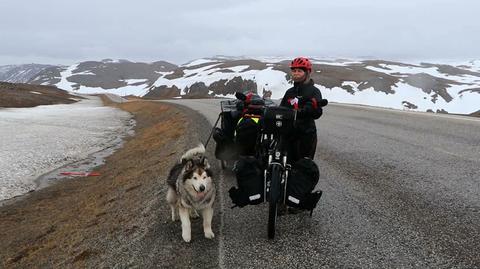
x=112, y=219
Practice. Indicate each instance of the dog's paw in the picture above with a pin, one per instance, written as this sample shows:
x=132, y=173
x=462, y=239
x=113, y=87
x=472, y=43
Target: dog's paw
x=209, y=234
x=187, y=238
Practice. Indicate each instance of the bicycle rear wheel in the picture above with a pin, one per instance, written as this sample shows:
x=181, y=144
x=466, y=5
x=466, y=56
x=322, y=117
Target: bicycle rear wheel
x=274, y=195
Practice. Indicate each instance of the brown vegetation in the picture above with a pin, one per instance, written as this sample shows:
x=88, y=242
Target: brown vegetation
x=27, y=95
x=76, y=220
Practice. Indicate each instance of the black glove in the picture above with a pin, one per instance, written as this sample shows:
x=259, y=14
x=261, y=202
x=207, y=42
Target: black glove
x=306, y=110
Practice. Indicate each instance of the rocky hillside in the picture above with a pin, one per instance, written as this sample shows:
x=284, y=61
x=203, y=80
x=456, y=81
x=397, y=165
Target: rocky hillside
x=106, y=74
x=412, y=86
x=443, y=88
x=20, y=73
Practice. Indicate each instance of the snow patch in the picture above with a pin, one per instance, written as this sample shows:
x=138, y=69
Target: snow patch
x=135, y=81
x=238, y=68
x=85, y=73
x=64, y=84
x=34, y=141
x=462, y=104
x=433, y=71
x=122, y=91
x=272, y=80
x=198, y=62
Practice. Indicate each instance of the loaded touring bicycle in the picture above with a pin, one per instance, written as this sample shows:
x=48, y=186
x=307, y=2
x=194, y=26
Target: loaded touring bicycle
x=256, y=136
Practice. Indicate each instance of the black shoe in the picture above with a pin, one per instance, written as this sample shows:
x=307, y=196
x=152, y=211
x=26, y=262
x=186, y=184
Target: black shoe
x=293, y=210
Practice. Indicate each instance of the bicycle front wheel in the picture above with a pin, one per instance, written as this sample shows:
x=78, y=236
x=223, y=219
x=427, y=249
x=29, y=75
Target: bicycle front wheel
x=274, y=195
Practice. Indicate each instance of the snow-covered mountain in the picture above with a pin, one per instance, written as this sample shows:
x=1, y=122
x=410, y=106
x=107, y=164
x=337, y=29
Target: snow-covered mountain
x=20, y=73
x=452, y=88
x=122, y=77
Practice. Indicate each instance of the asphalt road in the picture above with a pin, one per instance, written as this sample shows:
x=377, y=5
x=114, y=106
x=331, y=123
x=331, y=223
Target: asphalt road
x=401, y=190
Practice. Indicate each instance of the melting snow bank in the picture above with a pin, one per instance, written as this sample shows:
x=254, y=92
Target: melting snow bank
x=34, y=141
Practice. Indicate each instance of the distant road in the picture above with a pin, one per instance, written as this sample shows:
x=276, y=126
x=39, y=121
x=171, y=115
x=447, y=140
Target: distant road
x=115, y=98
x=401, y=190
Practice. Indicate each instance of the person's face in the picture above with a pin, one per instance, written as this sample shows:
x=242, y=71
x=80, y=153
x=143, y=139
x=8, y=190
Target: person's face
x=298, y=75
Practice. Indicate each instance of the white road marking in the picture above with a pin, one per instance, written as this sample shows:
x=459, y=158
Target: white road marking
x=221, y=245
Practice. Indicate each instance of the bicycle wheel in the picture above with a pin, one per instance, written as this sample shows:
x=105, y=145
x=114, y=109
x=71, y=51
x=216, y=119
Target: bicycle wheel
x=274, y=194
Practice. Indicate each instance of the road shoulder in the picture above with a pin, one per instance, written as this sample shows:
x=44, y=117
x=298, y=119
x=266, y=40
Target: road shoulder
x=119, y=217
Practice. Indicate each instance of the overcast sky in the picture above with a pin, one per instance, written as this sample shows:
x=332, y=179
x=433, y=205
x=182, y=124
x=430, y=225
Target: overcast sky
x=65, y=31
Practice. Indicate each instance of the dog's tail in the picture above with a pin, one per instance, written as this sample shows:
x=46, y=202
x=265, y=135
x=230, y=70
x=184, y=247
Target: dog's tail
x=190, y=154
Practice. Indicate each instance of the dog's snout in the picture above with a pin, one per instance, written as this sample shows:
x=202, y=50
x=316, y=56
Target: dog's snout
x=202, y=187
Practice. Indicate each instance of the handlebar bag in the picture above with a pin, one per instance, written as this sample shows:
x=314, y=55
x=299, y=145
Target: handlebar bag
x=278, y=120
x=301, y=182
x=249, y=175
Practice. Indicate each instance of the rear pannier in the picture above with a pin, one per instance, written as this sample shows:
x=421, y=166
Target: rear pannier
x=301, y=182
x=224, y=137
x=246, y=135
x=250, y=181
x=225, y=148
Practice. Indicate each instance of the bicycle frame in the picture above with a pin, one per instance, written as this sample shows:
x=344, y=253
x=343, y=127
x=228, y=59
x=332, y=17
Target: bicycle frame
x=273, y=151
x=277, y=156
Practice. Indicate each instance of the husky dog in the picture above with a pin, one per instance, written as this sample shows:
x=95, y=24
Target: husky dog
x=191, y=188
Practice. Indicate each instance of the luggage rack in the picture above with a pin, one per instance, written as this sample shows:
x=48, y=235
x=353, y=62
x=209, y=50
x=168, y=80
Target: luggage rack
x=228, y=105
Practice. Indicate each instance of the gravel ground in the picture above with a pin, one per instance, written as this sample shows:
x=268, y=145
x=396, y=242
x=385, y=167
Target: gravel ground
x=36, y=140
x=401, y=190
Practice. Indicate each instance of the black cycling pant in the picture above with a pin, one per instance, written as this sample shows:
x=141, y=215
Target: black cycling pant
x=302, y=145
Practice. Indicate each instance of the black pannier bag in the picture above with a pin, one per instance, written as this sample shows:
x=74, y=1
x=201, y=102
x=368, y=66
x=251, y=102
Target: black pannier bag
x=247, y=128
x=246, y=135
x=250, y=191
x=225, y=148
x=301, y=181
x=255, y=105
x=229, y=120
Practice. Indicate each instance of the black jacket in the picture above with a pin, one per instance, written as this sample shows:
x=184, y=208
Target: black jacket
x=304, y=97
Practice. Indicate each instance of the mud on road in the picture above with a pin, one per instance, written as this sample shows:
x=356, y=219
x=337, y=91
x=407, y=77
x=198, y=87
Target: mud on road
x=116, y=219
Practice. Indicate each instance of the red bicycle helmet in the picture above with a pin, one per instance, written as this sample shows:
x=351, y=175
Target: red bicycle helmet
x=301, y=62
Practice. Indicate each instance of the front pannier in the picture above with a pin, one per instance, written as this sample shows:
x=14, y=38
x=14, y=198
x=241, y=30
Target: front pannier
x=250, y=183
x=301, y=182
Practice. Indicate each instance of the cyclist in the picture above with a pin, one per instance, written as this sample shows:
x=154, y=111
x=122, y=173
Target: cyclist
x=305, y=98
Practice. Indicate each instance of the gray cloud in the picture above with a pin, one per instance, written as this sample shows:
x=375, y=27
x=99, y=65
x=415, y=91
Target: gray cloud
x=56, y=31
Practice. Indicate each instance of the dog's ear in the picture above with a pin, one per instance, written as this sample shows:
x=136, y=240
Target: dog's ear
x=188, y=164
x=204, y=162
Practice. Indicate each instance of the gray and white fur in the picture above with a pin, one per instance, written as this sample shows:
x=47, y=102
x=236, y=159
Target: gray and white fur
x=191, y=189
